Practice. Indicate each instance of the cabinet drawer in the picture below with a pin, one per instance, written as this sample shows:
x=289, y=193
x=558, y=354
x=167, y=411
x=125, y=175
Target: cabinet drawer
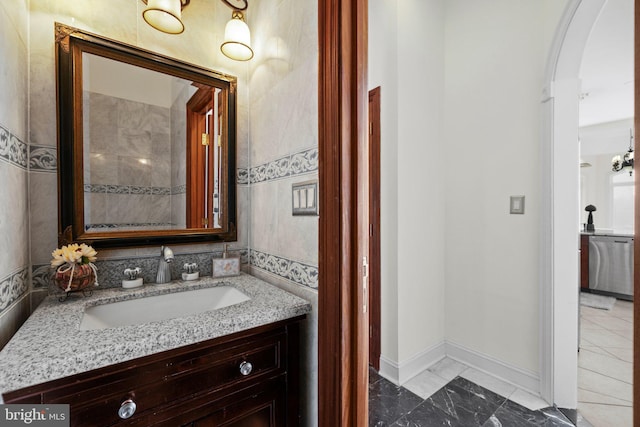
x=177, y=380
x=197, y=379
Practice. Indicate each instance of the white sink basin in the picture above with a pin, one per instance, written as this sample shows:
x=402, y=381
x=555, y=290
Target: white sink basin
x=160, y=307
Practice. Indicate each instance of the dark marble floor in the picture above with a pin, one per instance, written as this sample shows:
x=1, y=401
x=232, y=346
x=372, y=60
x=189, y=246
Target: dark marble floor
x=460, y=403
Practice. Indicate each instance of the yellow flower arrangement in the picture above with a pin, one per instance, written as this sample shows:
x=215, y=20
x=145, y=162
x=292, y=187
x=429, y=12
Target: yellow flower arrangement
x=70, y=258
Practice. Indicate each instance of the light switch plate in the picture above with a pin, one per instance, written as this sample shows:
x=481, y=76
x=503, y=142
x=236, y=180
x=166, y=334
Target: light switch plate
x=516, y=205
x=304, y=198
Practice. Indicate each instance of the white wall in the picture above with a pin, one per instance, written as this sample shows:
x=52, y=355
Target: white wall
x=496, y=52
x=406, y=60
x=461, y=86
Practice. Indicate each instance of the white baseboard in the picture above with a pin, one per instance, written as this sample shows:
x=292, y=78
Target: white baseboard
x=400, y=373
x=521, y=378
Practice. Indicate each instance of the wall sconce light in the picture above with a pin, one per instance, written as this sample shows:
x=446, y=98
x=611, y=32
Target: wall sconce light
x=165, y=15
x=237, y=38
x=625, y=162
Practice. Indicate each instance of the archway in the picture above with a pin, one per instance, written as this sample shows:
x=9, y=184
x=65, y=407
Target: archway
x=559, y=271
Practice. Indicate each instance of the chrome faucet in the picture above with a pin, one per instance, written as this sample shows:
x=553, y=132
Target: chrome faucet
x=164, y=272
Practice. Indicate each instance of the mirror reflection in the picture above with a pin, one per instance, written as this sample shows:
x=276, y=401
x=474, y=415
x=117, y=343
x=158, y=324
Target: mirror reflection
x=146, y=146
x=137, y=151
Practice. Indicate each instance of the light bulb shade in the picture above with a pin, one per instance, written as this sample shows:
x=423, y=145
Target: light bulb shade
x=164, y=15
x=237, y=39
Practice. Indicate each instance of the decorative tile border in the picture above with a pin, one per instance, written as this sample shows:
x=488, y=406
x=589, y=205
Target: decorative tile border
x=126, y=189
x=43, y=158
x=12, y=287
x=110, y=271
x=242, y=176
x=12, y=149
x=300, y=273
x=294, y=164
x=41, y=276
x=129, y=226
x=179, y=189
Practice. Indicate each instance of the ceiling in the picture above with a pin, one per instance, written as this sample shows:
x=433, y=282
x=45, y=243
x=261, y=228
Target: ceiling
x=607, y=67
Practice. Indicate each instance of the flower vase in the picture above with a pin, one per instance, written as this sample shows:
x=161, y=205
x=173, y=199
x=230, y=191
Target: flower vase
x=74, y=278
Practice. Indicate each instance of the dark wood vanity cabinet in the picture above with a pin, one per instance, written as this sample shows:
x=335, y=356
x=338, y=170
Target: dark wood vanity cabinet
x=205, y=384
x=584, y=261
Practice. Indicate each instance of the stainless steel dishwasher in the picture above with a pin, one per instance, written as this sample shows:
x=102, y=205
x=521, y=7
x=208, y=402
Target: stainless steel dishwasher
x=611, y=265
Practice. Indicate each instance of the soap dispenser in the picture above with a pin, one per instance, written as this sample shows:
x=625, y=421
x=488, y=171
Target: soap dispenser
x=228, y=265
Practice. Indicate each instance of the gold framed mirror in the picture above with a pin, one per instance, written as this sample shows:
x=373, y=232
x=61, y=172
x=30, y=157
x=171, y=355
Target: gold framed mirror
x=146, y=146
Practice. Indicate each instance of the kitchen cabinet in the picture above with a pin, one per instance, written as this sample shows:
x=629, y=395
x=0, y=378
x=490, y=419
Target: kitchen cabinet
x=584, y=261
x=249, y=378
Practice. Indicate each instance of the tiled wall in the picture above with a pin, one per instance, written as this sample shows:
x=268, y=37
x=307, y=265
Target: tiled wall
x=121, y=20
x=277, y=106
x=14, y=232
x=128, y=182
x=284, y=151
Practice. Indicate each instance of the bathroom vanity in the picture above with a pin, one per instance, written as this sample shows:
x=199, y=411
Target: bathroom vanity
x=233, y=366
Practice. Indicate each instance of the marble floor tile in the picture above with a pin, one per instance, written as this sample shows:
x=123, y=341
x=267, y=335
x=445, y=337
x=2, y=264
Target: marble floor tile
x=511, y=414
x=591, y=322
x=607, y=415
x=466, y=402
x=427, y=415
x=462, y=403
x=448, y=368
x=605, y=365
x=575, y=417
x=623, y=309
x=613, y=323
x=425, y=384
x=388, y=402
x=489, y=382
x=528, y=400
x=605, y=338
x=588, y=396
x=595, y=382
x=624, y=354
x=374, y=376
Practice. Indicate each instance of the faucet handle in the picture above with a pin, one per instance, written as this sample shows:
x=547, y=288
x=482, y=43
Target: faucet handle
x=132, y=273
x=190, y=267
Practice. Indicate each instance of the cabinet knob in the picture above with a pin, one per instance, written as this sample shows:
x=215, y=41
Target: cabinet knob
x=127, y=409
x=246, y=368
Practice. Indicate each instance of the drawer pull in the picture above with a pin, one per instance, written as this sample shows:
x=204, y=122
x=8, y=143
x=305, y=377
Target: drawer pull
x=246, y=368
x=127, y=409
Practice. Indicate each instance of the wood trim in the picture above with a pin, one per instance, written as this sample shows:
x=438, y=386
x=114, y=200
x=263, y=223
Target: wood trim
x=343, y=225
x=636, y=247
x=374, y=235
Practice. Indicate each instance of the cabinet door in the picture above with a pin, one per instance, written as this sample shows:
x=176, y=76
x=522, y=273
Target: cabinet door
x=264, y=409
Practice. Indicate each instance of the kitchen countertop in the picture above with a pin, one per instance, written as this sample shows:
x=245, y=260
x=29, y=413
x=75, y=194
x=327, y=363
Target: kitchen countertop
x=50, y=345
x=612, y=233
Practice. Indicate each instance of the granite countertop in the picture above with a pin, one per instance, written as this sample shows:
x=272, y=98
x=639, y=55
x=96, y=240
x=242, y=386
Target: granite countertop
x=612, y=233
x=50, y=345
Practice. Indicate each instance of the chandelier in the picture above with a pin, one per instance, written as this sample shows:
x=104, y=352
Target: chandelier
x=624, y=162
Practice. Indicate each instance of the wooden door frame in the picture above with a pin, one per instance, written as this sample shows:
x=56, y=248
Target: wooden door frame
x=636, y=247
x=343, y=223
x=374, y=235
